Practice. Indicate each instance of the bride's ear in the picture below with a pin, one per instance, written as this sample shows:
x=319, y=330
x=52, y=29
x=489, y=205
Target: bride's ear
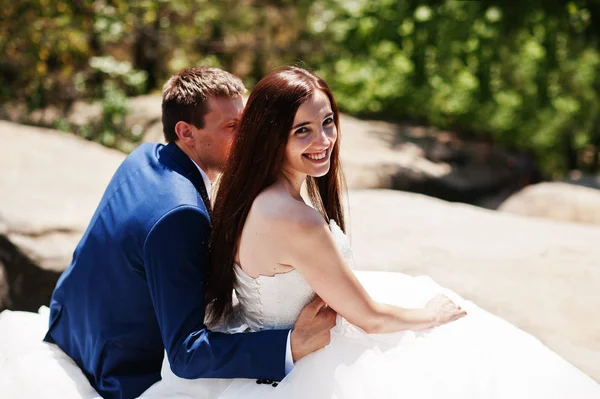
x=185, y=132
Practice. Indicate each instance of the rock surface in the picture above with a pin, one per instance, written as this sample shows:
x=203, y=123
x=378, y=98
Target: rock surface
x=424, y=160
x=376, y=154
x=50, y=184
x=580, y=179
x=543, y=276
x=556, y=200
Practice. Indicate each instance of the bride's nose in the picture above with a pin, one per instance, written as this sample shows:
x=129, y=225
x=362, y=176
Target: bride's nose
x=322, y=138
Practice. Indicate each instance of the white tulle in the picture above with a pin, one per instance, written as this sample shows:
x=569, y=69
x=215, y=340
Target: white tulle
x=31, y=368
x=478, y=356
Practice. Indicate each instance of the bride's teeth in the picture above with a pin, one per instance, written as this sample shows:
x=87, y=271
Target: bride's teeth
x=317, y=157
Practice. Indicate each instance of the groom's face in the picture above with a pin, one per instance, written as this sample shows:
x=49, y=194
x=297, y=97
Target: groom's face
x=221, y=123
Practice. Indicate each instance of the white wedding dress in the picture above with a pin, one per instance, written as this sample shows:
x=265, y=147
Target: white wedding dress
x=478, y=356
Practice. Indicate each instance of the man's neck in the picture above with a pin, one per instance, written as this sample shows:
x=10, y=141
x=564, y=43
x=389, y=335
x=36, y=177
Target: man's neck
x=206, y=174
x=193, y=155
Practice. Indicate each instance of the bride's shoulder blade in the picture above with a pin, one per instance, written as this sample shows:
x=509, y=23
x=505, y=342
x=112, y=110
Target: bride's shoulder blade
x=283, y=212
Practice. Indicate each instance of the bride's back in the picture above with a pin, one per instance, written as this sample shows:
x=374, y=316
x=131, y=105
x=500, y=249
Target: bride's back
x=268, y=228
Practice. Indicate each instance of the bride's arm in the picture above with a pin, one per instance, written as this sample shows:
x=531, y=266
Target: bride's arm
x=313, y=252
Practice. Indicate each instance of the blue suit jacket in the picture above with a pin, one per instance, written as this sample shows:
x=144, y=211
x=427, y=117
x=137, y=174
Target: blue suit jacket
x=136, y=286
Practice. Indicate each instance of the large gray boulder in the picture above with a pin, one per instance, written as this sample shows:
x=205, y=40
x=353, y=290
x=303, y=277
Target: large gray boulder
x=50, y=184
x=556, y=200
x=541, y=275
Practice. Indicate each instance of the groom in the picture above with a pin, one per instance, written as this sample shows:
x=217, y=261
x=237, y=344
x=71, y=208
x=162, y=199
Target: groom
x=137, y=281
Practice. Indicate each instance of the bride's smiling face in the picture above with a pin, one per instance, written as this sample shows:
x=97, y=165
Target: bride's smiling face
x=312, y=138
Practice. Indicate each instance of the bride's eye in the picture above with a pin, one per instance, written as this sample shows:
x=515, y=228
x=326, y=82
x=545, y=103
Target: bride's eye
x=328, y=121
x=301, y=130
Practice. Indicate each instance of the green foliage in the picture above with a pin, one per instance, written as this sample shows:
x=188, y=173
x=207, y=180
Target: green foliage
x=110, y=129
x=120, y=73
x=37, y=62
x=525, y=73
x=114, y=110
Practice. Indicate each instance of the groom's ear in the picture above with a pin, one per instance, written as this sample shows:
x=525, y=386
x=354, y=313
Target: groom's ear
x=185, y=132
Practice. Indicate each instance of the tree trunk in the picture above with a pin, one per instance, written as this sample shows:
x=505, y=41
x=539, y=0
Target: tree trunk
x=570, y=151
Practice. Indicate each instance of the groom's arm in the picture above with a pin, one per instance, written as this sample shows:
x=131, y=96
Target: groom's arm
x=176, y=261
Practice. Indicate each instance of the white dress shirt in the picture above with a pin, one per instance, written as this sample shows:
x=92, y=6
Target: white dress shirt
x=289, y=360
x=207, y=182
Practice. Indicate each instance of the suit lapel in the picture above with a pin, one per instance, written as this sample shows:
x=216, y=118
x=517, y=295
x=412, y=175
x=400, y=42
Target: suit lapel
x=189, y=170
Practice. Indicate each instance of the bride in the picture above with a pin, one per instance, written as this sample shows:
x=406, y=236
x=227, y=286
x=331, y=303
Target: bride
x=278, y=241
x=396, y=336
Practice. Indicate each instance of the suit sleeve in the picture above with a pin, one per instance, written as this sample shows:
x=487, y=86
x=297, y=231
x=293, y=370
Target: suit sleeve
x=176, y=261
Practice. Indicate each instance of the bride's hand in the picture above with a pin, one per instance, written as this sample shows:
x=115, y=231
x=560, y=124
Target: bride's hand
x=443, y=310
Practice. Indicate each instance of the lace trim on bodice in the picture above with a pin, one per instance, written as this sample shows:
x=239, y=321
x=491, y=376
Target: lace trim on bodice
x=275, y=302
x=271, y=302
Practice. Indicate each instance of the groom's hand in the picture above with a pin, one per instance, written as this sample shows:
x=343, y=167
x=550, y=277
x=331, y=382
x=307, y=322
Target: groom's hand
x=311, y=331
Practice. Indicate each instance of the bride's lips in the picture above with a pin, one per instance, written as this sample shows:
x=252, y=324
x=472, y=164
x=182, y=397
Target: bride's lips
x=323, y=154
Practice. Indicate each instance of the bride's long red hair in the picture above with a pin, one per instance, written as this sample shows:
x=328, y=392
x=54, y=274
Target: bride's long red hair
x=255, y=163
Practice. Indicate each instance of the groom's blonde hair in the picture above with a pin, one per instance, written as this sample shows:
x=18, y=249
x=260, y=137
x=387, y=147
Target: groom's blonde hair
x=186, y=93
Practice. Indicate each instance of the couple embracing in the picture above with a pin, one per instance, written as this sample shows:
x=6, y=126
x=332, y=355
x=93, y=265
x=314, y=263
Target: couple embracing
x=255, y=296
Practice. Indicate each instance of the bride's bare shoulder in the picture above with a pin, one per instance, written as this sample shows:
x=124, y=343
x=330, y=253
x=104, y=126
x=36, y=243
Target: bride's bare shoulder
x=280, y=210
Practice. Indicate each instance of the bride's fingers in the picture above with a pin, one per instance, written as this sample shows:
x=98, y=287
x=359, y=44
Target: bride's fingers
x=459, y=315
x=456, y=315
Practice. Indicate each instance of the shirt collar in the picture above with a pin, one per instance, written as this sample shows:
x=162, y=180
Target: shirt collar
x=207, y=182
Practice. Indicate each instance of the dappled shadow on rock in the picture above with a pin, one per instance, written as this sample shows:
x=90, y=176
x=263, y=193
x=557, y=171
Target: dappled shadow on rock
x=452, y=187
x=26, y=286
x=51, y=183
x=580, y=179
x=433, y=162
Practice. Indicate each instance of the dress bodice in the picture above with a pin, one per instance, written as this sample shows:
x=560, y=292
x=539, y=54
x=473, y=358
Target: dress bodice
x=275, y=302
